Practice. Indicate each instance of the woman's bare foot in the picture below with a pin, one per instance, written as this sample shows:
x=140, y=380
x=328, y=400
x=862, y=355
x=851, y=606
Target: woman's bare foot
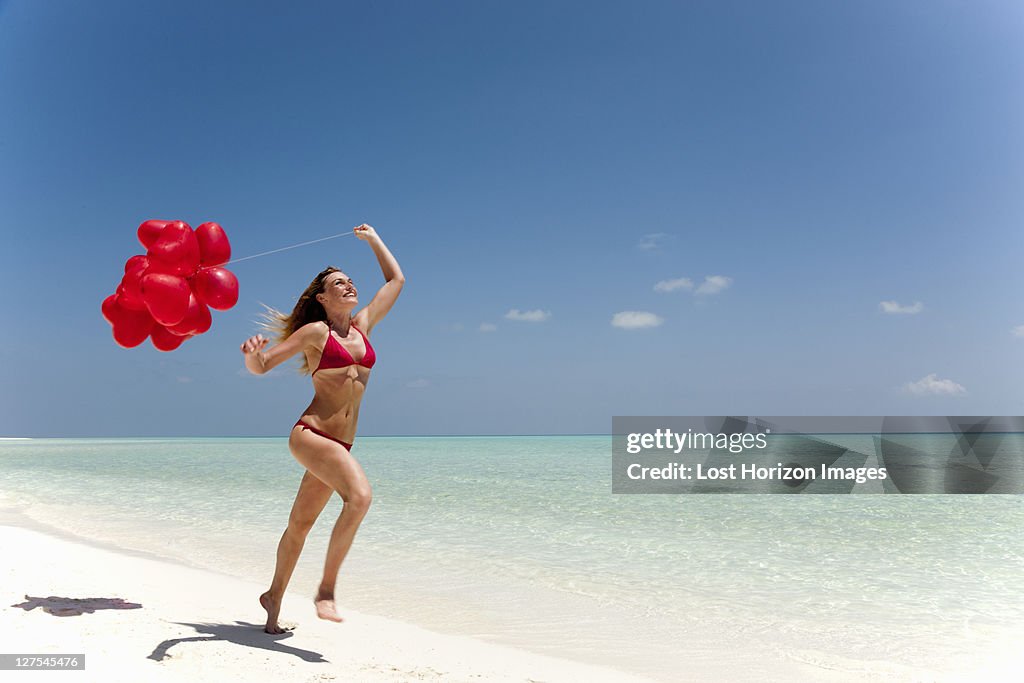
x=325, y=608
x=273, y=608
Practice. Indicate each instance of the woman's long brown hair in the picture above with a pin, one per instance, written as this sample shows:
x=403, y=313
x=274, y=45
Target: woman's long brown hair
x=307, y=309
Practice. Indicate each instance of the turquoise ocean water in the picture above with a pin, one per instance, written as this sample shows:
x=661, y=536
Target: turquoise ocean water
x=519, y=540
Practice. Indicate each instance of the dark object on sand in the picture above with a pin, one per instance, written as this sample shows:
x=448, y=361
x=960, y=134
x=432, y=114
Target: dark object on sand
x=72, y=607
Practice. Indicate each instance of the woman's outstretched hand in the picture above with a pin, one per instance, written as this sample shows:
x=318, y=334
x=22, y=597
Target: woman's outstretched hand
x=251, y=348
x=254, y=344
x=365, y=232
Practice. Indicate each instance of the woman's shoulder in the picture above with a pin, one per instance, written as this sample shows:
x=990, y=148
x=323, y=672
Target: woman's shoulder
x=319, y=325
x=314, y=330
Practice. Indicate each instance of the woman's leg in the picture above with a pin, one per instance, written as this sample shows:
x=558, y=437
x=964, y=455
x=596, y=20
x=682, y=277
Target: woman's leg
x=309, y=503
x=332, y=464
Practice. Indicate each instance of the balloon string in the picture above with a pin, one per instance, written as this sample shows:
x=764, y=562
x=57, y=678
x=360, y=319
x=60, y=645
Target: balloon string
x=294, y=246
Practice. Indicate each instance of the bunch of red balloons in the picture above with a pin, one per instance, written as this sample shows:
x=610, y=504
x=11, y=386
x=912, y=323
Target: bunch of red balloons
x=166, y=294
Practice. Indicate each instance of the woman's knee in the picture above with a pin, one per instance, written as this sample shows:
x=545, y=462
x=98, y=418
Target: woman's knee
x=359, y=499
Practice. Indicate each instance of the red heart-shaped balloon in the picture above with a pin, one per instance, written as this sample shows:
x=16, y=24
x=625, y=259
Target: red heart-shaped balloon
x=166, y=297
x=132, y=327
x=216, y=287
x=137, y=261
x=176, y=249
x=214, y=248
x=110, y=309
x=165, y=340
x=149, y=231
x=132, y=282
x=125, y=300
x=196, y=321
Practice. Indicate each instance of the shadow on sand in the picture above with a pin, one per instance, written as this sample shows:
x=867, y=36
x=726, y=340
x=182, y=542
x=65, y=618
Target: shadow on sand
x=240, y=633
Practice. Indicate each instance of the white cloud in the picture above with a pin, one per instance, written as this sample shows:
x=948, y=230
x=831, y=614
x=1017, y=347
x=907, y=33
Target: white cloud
x=1018, y=331
x=895, y=308
x=713, y=284
x=931, y=385
x=652, y=241
x=535, y=316
x=488, y=327
x=673, y=285
x=632, y=320
x=418, y=383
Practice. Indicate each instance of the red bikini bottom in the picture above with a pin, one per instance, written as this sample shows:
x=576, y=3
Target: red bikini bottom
x=302, y=424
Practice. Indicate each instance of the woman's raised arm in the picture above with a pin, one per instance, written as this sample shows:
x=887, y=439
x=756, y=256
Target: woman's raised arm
x=385, y=297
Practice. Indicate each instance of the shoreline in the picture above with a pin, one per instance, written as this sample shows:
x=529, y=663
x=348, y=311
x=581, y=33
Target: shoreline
x=796, y=620
x=196, y=624
x=199, y=624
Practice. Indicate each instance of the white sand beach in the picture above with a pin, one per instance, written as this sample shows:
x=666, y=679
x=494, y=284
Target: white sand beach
x=195, y=625
x=474, y=589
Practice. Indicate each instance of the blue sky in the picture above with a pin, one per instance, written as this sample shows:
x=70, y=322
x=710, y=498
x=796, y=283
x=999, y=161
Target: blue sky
x=814, y=159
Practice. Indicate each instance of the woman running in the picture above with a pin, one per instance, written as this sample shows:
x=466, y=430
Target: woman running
x=337, y=345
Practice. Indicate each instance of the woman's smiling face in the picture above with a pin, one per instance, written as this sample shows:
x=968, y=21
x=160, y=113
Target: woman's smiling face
x=338, y=289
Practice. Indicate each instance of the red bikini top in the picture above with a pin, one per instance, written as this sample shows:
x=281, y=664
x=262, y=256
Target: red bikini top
x=336, y=356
